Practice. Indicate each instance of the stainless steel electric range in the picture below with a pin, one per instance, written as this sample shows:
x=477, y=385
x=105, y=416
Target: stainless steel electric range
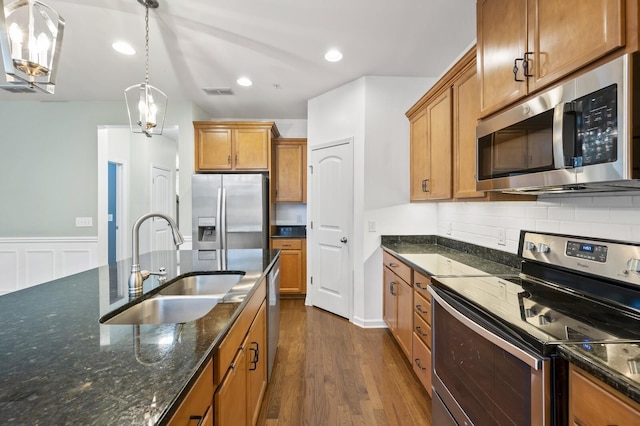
x=496, y=338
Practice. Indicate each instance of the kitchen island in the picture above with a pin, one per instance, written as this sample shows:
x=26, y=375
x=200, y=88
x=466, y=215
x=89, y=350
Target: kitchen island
x=60, y=365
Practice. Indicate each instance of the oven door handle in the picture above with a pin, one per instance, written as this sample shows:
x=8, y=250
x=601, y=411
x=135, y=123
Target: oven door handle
x=523, y=356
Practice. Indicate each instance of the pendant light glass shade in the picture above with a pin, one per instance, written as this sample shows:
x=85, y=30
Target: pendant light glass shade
x=146, y=105
x=30, y=40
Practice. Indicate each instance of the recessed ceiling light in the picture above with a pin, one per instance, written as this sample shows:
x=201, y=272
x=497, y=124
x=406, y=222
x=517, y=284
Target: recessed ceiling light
x=333, y=55
x=123, y=47
x=244, y=81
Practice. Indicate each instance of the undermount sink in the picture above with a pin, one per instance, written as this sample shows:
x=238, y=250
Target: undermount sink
x=165, y=310
x=209, y=284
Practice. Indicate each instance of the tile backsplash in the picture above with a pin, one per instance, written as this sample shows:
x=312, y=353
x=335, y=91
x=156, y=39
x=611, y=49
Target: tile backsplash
x=498, y=224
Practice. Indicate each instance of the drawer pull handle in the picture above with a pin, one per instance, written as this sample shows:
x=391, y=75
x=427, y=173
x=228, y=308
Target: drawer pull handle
x=419, y=330
x=286, y=245
x=200, y=419
x=392, y=288
x=393, y=265
x=419, y=309
x=256, y=355
x=419, y=285
x=417, y=361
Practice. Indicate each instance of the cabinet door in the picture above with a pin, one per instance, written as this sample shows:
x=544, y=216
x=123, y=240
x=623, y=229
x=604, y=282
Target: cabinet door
x=439, y=136
x=251, y=149
x=213, y=149
x=290, y=271
x=592, y=403
x=404, y=316
x=257, y=365
x=231, y=397
x=465, y=116
x=389, y=299
x=502, y=37
x=566, y=35
x=290, y=173
x=419, y=166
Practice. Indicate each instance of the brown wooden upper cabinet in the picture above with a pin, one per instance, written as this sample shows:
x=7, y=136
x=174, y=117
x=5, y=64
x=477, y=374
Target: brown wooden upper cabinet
x=524, y=45
x=290, y=174
x=233, y=146
x=431, y=149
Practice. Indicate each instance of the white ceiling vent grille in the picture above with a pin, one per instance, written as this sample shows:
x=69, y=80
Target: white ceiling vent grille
x=18, y=88
x=218, y=91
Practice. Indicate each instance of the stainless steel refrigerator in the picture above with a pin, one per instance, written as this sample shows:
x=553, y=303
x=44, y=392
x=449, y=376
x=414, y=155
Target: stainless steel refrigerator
x=230, y=211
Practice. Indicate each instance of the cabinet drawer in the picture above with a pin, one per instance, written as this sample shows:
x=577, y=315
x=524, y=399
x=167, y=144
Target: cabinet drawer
x=233, y=340
x=399, y=268
x=422, y=307
x=422, y=329
x=198, y=400
x=422, y=362
x=420, y=283
x=286, y=244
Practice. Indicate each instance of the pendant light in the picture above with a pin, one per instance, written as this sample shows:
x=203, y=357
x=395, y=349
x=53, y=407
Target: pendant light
x=146, y=105
x=30, y=41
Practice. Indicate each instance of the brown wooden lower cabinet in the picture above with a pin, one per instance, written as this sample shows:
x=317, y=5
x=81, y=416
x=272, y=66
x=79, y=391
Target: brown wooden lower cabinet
x=422, y=362
x=196, y=406
x=594, y=403
x=231, y=397
x=293, y=261
x=398, y=301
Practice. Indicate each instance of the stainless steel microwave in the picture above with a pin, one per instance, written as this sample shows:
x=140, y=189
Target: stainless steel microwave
x=577, y=136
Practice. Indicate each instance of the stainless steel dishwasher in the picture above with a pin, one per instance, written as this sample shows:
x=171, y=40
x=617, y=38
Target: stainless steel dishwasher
x=273, y=316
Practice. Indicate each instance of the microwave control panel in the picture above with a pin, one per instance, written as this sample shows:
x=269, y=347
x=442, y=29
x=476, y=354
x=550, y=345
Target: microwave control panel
x=597, y=126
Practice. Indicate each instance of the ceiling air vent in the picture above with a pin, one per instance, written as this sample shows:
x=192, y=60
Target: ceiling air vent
x=218, y=91
x=18, y=88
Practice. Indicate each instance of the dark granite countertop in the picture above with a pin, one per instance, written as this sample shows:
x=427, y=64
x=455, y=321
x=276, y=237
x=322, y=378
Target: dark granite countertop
x=290, y=231
x=620, y=377
x=59, y=365
x=475, y=260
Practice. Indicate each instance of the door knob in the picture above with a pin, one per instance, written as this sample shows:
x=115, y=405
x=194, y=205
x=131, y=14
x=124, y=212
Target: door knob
x=343, y=240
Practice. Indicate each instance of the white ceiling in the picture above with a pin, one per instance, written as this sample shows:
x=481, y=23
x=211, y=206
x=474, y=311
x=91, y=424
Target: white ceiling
x=279, y=44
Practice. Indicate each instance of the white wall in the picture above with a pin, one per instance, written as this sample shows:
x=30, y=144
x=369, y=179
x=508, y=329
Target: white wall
x=603, y=216
x=371, y=111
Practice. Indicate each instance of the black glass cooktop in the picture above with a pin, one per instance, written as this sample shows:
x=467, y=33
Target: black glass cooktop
x=544, y=315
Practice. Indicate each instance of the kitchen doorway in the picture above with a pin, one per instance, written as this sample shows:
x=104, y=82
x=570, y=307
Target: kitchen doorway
x=331, y=207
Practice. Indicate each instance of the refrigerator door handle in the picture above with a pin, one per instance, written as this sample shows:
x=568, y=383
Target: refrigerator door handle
x=223, y=215
x=219, y=218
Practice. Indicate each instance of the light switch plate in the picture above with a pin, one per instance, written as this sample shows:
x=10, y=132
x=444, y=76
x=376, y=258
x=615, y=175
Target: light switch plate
x=502, y=238
x=372, y=226
x=84, y=222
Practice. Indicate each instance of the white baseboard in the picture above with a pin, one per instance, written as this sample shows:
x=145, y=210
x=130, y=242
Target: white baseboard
x=371, y=323
x=28, y=261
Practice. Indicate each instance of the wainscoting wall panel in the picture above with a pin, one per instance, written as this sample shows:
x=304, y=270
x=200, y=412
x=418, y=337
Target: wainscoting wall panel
x=25, y=262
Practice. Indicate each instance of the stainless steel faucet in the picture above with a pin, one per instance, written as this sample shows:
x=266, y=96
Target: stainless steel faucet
x=138, y=276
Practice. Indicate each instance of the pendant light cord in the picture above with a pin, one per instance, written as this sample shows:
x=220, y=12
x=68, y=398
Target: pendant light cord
x=146, y=45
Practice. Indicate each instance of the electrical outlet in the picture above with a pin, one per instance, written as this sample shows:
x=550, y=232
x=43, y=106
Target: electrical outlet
x=502, y=237
x=372, y=226
x=84, y=222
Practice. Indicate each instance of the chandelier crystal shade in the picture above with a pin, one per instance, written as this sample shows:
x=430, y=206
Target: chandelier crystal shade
x=146, y=105
x=30, y=41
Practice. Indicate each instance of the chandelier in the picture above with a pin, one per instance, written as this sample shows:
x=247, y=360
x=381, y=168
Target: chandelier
x=30, y=41
x=146, y=105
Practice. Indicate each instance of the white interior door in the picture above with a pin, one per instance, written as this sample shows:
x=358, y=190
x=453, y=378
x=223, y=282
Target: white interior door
x=331, y=215
x=161, y=202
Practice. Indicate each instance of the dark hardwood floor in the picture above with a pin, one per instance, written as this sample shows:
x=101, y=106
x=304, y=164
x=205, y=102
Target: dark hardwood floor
x=330, y=372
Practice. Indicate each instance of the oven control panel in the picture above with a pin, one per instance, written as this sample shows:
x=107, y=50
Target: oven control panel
x=589, y=251
x=618, y=260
